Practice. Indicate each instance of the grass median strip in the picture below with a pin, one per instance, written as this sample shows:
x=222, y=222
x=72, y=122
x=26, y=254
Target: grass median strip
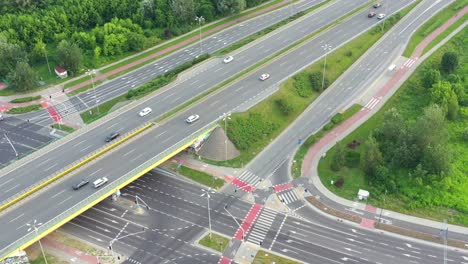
x=25, y=109
x=25, y=99
x=195, y=175
x=263, y=257
x=73, y=167
x=215, y=242
x=62, y=127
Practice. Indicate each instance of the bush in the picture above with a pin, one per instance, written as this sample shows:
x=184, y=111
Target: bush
x=349, y=53
x=25, y=99
x=449, y=62
x=302, y=85
x=316, y=81
x=339, y=183
x=465, y=134
x=337, y=119
x=245, y=131
x=284, y=106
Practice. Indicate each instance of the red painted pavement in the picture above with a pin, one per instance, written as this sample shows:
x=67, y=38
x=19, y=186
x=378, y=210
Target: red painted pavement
x=248, y=221
x=224, y=260
x=243, y=185
x=52, y=112
x=72, y=252
x=283, y=187
x=177, y=46
x=367, y=223
x=371, y=209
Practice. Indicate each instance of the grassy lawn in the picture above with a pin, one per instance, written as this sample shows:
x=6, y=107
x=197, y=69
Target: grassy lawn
x=195, y=175
x=25, y=99
x=50, y=260
x=302, y=151
x=297, y=93
x=410, y=100
x=435, y=22
x=25, y=109
x=217, y=242
x=264, y=257
x=93, y=114
x=63, y=128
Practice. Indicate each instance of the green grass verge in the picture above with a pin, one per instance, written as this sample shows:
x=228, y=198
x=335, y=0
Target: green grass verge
x=247, y=123
x=216, y=242
x=433, y=23
x=94, y=114
x=50, y=259
x=410, y=100
x=195, y=175
x=25, y=99
x=7, y=92
x=63, y=128
x=25, y=109
x=264, y=257
x=310, y=141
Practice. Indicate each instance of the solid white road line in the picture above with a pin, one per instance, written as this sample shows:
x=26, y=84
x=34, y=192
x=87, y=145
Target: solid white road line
x=16, y=218
x=57, y=194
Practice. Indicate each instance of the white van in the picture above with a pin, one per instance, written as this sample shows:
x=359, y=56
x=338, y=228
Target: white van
x=99, y=182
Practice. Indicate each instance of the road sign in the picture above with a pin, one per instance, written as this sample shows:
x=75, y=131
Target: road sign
x=299, y=141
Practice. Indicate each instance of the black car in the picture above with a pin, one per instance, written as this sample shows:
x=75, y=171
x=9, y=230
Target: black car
x=377, y=5
x=112, y=136
x=80, y=184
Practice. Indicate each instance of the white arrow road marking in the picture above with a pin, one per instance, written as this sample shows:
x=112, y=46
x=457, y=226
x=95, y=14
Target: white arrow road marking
x=98, y=239
x=410, y=256
x=465, y=258
x=410, y=246
x=346, y=259
x=111, y=220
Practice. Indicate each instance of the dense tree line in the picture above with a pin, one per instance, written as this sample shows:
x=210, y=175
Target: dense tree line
x=96, y=29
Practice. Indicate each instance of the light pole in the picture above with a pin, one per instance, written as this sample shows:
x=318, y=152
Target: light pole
x=445, y=234
x=34, y=227
x=91, y=73
x=381, y=209
x=226, y=117
x=207, y=194
x=200, y=20
x=327, y=48
x=243, y=232
x=11, y=144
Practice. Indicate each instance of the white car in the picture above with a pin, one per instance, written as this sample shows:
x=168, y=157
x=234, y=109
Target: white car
x=228, y=59
x=264, y=76
x=381, y=16
x=192, y=119
x=99, y=182
x=145, y=111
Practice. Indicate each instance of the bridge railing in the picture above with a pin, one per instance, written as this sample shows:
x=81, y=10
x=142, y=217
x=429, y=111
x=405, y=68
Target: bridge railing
x=100, y=194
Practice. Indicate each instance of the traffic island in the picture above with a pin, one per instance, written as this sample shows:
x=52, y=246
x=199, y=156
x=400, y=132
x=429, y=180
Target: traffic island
x=216, y=242
x=263, y=257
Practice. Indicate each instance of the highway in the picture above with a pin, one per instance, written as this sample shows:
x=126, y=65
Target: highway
x=202, y=80
x=127, y=157
x=177, y=217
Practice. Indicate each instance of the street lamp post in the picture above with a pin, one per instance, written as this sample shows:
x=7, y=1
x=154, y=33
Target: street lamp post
x=91, y=73
x=11, y=144
x=226, y=117
x=34, y=226
x=200, y=20
x=327, y=48
x=243, y=231
x=207, y=194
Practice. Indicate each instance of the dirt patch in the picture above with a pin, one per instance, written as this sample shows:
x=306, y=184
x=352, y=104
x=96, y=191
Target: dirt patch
x=315, y=202
x=420, y=235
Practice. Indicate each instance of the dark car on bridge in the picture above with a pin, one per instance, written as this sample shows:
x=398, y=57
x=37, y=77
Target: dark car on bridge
x=112, y=136
x=80, y=184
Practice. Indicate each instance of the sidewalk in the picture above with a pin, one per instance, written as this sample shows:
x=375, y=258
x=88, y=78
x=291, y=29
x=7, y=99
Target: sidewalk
x=57, y=90
x=315, y=153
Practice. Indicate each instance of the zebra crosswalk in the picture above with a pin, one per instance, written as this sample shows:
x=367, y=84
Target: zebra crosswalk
x=65, y=108
x=262, y=225
x=288, y=197
x=249, y=178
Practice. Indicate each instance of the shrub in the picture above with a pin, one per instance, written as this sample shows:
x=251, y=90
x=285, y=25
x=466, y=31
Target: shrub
x=465, y=134
x=316, y=81
x=338, y=183
x=245, y=131
x=338, y=118
x=349, y=53
x=284, y=106
x=449, y=62
x=302, y=85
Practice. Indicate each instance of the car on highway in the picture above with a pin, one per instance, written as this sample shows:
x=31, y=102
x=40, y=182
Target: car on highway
x=145, y=111
x=228, y=59
x=264, y=76
x=112, y=136
x=80, y=184
x=377, y=5
x=99, y=182
x=192, y=119
x=381, y=16
x=371, y=14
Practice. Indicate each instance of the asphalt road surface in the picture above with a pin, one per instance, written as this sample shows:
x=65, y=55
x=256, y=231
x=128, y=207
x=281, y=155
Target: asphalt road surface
x=60, y=157
x=178, y=216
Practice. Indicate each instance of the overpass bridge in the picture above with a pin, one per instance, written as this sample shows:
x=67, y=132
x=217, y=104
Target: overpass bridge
x=49, y=225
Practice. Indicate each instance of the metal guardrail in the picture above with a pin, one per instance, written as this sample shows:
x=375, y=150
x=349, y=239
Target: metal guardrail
x=62, y=172
x=100, y=194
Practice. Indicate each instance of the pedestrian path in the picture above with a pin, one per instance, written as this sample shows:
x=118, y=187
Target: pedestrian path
x=410, y=62
x=224, y=260
x=372, y=103
x=283, y=187
x=288, y=197
x=262, y=226
x=248, y=222
x=247, y=181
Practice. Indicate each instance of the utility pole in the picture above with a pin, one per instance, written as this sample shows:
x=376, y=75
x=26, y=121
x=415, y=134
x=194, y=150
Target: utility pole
x=207, y=194
x=327, y=48
x=34, y=226
x=226, y=117
x=200, y=20
x=11, y=144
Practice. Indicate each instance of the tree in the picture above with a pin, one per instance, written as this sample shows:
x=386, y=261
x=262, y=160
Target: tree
x=230, y=7
x=69, y=56
x=452, y=107
x=284, y=106
x=339, y=157
x=436, y=159
x=441, y=93
x=10, y=54
x=316, y=81
x=23, y=78
x=135, y=41
x=449, y=62
x=430, y=129
x=430, y=77
x=184, y=10
x=371, y=157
